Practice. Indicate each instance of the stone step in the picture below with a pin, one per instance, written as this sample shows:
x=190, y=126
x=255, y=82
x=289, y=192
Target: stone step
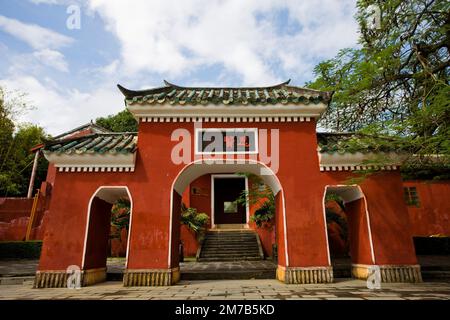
x=250, y=240
x=234, y=254
x=229, y=275
x=225, y=234
x=25, y=280
x=228, y=234
x=228, y=247
x=229, y=259
x=229, y=252
x=220, y=251
x=230, y=239
x=114, y=276
x=435, y=275
x=242, y=242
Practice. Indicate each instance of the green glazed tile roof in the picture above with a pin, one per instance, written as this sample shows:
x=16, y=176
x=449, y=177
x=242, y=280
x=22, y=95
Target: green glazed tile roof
x=176, y=95
x=112, y=143
x=353, y=142
x=101, y=143
x=95, y=128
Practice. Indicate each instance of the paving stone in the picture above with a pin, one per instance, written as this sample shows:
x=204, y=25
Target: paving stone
x=348, y=289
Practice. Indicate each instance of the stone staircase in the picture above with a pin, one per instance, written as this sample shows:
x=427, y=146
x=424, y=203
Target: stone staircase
x=230, y=245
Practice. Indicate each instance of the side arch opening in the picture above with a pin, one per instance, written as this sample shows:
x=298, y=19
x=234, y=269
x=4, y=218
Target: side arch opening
x=348, y=230
x=108, y=222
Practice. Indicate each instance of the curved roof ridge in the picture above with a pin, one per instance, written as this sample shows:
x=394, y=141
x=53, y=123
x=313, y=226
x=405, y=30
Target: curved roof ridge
x=174, y=94
x=169, y=84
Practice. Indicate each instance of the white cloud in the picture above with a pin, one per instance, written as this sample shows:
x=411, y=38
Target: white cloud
x=170, y=39
x=176, y=37
x=35, y=36
x=61, y=110
x=44, y=1
x=52, y=58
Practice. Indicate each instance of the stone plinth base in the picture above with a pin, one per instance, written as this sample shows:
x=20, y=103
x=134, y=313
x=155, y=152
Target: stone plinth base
x=305, y=275
x=390, y=273
x=150, y=277
x=58, y=278
x=93, y=276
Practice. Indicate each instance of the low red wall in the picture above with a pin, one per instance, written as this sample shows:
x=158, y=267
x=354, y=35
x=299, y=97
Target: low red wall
x=14, y=208
x=189, y=240
x=14, y=217
x=432, y=216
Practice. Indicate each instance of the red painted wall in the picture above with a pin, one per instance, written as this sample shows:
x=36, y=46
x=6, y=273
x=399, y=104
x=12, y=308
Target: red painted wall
x=202, y=200
x=14, y=208
x=15, y=214
x=151, y=183
x=175, y=257
x=360, y=250
x=190, y=244
x=433, y=214
x=51, y=173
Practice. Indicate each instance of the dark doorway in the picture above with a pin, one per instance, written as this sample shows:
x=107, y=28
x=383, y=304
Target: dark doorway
x=226, y=209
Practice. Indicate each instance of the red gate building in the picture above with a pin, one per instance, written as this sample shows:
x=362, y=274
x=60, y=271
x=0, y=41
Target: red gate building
x=192, y=145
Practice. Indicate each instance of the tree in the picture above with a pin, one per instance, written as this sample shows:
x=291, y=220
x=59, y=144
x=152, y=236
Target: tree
x=16, y=164
x=15, y=143
x=120, y=122
x=396, y=83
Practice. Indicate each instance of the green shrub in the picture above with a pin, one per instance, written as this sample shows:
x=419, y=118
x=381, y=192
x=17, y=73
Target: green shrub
x=20, y=249
x=193, y=220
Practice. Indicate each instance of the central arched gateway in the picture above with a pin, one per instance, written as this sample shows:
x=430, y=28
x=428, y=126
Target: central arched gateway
x=202, y=167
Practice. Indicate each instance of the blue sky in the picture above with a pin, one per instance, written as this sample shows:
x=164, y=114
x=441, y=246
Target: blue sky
x=70, y=75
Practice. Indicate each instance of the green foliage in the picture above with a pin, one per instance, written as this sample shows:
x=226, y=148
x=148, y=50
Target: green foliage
x=120, y=122
x=120, y=216
x=194, y=220
x=396, y=83
x=259, y=194
x=264, y=215
x=16, y=160
x=20, y=249
x=330, y=196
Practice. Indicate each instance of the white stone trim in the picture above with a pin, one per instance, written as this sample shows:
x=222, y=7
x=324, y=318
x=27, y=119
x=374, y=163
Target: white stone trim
x=355, y=161
x=225, y=119
x=92, y=162
x=223, y=113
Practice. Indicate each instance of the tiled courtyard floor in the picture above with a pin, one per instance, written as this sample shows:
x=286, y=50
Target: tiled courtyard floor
x=220, y=289
x=237, y=289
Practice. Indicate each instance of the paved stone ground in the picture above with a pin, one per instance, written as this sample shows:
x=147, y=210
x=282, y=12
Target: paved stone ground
x=116, y=265
x=222, y=289
x=237, y=289
x=28, y=267
x=10, y=268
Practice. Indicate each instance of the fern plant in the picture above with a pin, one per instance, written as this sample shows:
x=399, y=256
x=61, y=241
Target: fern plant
x=194, y=221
